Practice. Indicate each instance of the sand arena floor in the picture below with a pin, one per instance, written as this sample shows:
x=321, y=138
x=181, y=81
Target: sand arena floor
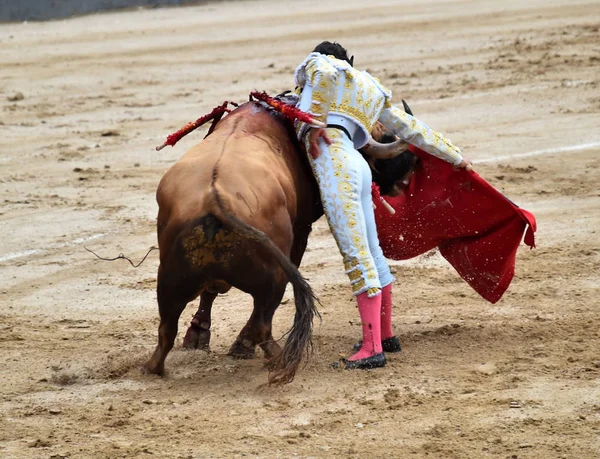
x=519, y=379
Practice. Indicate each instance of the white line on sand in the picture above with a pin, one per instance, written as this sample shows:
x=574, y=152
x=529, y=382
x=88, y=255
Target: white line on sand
x=548, y=151
x=25, y=253
x=10, y=256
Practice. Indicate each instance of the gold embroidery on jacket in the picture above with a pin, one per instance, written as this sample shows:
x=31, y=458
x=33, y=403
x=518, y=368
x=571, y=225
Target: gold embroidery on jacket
x=340, y=203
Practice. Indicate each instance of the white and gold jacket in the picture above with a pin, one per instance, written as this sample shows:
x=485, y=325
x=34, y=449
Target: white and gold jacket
x=329, y=86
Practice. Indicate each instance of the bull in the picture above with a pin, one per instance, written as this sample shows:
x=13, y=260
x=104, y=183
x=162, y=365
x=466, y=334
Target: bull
x=236, y=211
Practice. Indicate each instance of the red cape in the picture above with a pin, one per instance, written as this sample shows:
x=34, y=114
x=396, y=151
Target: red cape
x=476, y=228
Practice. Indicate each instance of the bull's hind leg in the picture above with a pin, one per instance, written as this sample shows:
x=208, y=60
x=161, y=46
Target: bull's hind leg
x=257, y=330
x=244, y=346
x=173, y=296
x=167, y=331
x=267, y=343
x=198, y=333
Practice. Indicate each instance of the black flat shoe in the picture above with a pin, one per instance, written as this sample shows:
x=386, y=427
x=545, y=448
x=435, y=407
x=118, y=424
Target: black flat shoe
x=374, y=361
x=388, y=345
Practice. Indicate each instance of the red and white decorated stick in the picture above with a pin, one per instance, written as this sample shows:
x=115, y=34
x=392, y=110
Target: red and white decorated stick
x=185, y=130
x=289, y=111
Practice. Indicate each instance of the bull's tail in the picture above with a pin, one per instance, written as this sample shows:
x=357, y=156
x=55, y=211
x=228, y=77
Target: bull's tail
x=299, y=338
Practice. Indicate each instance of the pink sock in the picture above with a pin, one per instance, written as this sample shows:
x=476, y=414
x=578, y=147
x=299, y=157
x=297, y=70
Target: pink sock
x=370, y=316
x=386, y=312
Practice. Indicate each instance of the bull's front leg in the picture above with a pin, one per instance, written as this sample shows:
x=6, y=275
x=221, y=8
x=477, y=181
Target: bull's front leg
x=198, y=333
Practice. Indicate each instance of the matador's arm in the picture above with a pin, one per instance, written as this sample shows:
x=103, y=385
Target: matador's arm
x=408, y=128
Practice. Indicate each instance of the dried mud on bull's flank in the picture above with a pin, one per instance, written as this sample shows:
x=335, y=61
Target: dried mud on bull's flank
x=83, y=103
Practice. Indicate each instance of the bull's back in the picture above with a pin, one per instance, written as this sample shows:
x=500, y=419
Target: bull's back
x=246, y=163
x=249, y=180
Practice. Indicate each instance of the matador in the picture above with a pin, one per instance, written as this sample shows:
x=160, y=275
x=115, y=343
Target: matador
x=350, y=102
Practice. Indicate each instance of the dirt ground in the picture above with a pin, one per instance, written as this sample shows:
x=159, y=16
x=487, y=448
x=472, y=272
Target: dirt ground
x=83, y=104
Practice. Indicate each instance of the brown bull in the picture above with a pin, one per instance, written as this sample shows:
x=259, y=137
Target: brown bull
x=231, y=212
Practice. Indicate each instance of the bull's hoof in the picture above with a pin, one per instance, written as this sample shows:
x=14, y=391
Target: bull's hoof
x=271, y=349
x=243, y=349
x=271, y=364
x=196, y=338
x=152, y=369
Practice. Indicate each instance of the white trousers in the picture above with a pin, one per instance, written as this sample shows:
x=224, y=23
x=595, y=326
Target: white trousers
x=344, y=179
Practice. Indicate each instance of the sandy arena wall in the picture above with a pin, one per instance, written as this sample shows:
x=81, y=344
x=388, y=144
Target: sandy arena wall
x=41, y=10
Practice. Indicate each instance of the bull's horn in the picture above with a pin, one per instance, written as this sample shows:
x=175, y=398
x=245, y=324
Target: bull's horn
x=384, y=150
x=407, y=108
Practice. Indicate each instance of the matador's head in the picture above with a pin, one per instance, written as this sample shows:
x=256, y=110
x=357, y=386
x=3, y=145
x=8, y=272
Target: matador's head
x=334, y=49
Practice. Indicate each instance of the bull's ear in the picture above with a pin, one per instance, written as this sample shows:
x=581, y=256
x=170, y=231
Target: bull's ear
x=407, y=108
x=352, y=61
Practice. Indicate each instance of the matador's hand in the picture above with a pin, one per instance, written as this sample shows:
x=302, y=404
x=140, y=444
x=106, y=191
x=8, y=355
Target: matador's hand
x=313, y=141
x=465, y=164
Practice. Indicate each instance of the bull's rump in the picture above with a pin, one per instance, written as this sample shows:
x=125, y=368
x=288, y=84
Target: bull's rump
x=262, y=197
x=236, y=172
x=217, y=254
